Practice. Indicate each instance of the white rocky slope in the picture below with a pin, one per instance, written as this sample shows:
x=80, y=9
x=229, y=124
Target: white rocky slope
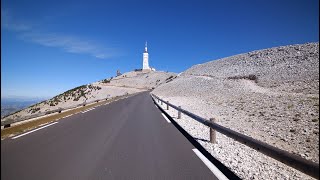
x=271, y=95
x=142, y=80
x=127, y=83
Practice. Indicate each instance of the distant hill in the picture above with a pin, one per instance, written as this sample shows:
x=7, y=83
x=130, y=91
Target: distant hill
x=11, y=105
x=127, y=83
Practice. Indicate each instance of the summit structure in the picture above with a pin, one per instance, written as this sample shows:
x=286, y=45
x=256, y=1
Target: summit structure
x=145, y=65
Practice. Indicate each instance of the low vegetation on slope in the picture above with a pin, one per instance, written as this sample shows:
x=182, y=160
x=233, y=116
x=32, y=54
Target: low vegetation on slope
x=73, y=94
x=79, y=93
x=127, y=83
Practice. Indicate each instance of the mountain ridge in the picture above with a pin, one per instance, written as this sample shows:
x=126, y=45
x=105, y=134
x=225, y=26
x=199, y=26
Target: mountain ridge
x=127, y=83
x=271, y=95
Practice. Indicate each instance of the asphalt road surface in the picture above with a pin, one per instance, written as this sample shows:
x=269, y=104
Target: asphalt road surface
x=126, y=139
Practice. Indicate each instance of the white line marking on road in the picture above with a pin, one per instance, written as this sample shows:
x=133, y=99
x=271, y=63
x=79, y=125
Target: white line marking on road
x=211, y=166
x=87, y=110
x=68, y=116
x=34, y=130
x=166, y=118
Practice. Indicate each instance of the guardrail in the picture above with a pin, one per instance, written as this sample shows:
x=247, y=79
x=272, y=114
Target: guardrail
x=306, y=166
x=7, y=123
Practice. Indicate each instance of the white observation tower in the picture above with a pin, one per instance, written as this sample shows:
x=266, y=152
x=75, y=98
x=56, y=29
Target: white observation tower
x=145, y=65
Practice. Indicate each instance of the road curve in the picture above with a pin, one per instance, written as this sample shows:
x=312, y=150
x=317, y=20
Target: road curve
x=126, y=139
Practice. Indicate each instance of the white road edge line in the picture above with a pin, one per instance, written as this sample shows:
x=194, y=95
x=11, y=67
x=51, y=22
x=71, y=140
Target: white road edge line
x=211, y=166
x=90, y=109
x=34, y=130
x=166, y=118
x=87, y=110
x=68, y=116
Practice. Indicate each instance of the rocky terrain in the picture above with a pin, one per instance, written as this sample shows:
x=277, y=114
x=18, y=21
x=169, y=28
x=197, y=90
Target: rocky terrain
x=142, y=80
x=128, y=83
x=271, y=95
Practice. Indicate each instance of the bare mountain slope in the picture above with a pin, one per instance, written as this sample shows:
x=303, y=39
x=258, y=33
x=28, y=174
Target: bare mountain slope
x=127, y=83
x=144, y=80
x=271, y=95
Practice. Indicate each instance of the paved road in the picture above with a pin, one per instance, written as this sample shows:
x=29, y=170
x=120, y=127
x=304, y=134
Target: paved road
x=127, y=139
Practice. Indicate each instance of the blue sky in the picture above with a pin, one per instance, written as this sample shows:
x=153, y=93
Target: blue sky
x=48, y=47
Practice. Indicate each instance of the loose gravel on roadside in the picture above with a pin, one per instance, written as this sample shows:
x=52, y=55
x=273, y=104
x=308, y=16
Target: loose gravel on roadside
x=271, y=95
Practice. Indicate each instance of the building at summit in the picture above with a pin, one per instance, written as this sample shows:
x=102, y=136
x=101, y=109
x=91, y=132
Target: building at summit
x=145, y=63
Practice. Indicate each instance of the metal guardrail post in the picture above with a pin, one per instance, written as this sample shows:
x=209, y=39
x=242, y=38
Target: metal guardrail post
x=161, y=102
x=212, y=132
x=167, y=105
x=306, y=166
x=179, y=113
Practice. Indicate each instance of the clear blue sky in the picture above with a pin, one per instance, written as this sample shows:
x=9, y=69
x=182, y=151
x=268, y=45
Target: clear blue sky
x=48, y=47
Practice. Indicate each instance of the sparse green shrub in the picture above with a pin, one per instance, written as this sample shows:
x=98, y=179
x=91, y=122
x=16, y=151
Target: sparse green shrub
x=33, y=110
x=170, y=79
x=249, y=77
x=82, y=93
x=106, y=81
x=292, y=130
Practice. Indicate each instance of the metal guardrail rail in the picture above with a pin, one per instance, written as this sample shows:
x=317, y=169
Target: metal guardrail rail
x=306, y=166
